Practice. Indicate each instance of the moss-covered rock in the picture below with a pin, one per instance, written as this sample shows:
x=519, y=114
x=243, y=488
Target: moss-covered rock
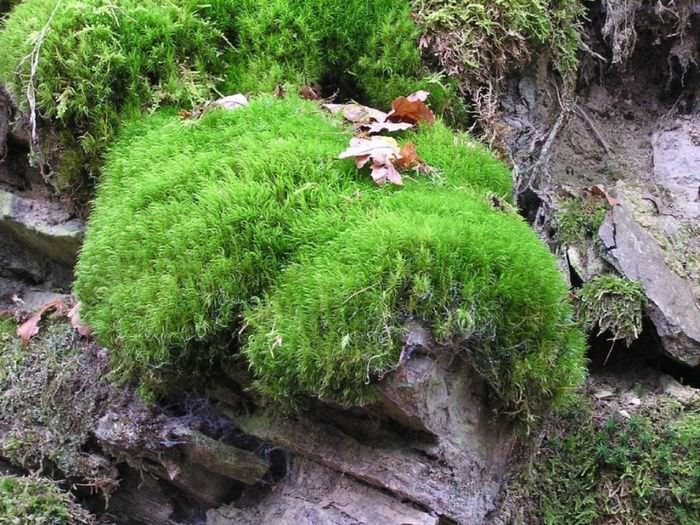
x=246, y=219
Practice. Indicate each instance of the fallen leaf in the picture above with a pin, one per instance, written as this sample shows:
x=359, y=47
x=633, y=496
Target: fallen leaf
x=378, y=148
x=382, y=151
x=74, y=317
x=357, y=113
x=231, y=102
x=408, y=157
x=184, y=114
x=411, y=109
x=310, y=92
x=378, y=127
x=30, y=327
x=418, y=96
x=383, y=173
x=600, y=190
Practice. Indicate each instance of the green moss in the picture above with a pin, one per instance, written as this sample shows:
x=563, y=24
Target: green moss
x=579, y=218
x=484, y=39
x=650, y=463
x=614, y=305
x=101, y=61
x=37, y=501
x=246, y=218
x=367, y=49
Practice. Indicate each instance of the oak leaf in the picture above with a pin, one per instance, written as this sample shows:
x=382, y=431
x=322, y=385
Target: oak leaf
x=30, y=327
x=412, y=109
x=74, y=317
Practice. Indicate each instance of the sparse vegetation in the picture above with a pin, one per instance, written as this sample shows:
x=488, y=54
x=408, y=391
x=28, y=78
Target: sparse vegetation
x=38, y=501
x=187, y=243
x=579, y=219
x=614, y=305
x=645, y=469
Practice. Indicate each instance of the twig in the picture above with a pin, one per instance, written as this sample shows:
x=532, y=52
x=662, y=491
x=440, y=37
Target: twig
x=31, y=90
x=581, y=113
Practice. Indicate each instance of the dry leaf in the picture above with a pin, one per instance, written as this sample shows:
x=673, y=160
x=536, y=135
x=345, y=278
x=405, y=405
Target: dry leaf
x=231, y=102
x=408, y=157
x=357, y=113
x=411, y=109
x=74, y=317
x=30, y=327
x=418, y=96
x=378, y=127
x=378, y=148
x=184, y=114
x=600, y=190
x=383, y=173
x=310, y=92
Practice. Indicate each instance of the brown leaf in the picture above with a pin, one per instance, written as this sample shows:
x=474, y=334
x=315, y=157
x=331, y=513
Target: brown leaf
x=74, y=317
x=310, y=92
x=600, y=190
x=408, y=157
x=30, y=327
x=184, y=114
x=411, y=109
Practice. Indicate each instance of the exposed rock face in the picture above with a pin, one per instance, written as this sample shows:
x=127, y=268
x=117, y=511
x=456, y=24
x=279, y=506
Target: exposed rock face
x=672, y=306
x=449, y=459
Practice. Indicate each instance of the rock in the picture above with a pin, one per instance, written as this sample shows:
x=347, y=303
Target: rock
x=671, y=304
x=449, y=456
x=684, y=394
x=316, y=495
x=676, y=153
x=38, y=240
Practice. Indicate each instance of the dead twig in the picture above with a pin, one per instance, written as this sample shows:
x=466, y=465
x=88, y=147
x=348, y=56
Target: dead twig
x=581, y=113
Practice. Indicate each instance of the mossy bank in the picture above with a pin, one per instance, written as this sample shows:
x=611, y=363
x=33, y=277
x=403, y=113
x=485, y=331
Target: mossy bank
x=243, y=228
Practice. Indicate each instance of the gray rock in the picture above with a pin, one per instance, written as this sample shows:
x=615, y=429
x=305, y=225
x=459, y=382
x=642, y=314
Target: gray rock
x=450, y=456
x=671, y=304
x=316, y=495
x=676, y=153
x=38, y=240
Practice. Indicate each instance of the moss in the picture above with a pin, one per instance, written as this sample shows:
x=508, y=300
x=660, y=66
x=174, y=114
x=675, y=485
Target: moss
x=613, y=305
x=579, y=218
x=37, y=501
x=101, y=62
x=645, y=469
x=246, y=218
x=482, y=41
x=49, y=393
x=368, y=50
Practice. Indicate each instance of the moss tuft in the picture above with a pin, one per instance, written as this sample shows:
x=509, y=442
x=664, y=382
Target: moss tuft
x=613, y=305
x=246, y=218
x=100, y=61
x=38, y=501
x=579, y=218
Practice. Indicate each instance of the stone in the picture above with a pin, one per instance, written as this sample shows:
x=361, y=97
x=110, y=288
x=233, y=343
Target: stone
x=39, y=240
x=316, y=495
x=671, y=305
